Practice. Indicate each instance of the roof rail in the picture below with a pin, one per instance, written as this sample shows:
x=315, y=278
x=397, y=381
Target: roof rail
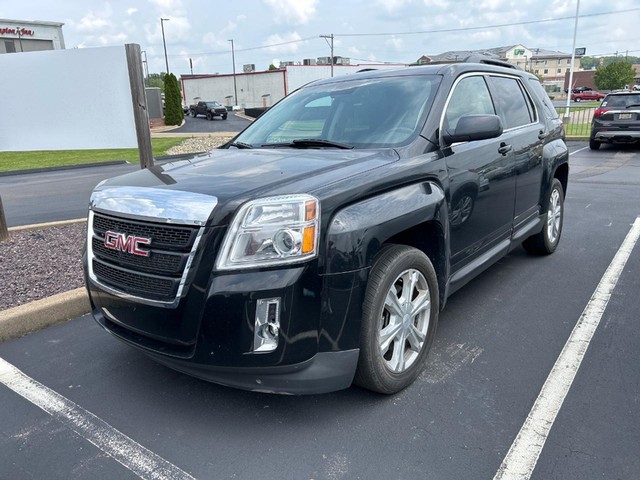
x=488, y=61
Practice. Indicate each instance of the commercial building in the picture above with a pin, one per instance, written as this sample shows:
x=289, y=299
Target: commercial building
x=30, y=36
x=262, y=89
x=549, y=65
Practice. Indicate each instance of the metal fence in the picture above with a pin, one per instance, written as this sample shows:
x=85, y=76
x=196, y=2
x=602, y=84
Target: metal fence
x=577, y=119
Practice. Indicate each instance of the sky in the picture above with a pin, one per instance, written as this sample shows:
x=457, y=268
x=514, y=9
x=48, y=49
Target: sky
x=367, y=31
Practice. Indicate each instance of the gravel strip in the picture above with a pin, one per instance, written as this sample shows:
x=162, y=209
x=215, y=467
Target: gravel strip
x=199, y=144
x=39, y=263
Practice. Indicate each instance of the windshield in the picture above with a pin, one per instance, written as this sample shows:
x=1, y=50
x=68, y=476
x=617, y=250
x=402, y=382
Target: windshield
x=213, y=104
x=362, y=113
x=622, y=100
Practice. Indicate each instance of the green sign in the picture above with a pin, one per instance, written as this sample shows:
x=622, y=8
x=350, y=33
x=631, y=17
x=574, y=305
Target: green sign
x=518, y=51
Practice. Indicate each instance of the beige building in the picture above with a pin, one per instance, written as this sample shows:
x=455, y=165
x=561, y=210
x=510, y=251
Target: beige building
x=30, y=36
x=548, y=64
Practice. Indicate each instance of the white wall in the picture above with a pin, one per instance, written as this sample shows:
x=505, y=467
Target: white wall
x=66, y=100
x=251, y=87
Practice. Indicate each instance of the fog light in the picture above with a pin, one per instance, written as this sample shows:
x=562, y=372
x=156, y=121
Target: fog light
x=267, y=325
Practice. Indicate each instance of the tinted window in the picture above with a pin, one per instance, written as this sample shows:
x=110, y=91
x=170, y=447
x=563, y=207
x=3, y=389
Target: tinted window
x=511, y=102
x=470, y=96
x=548, y=108
x=364, y=112
x=621, y=100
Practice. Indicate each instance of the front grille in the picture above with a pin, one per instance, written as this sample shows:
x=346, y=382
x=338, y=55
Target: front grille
x=157, y=276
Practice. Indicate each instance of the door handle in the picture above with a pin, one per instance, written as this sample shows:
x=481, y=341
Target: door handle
x=542, y=135
x=504, y=148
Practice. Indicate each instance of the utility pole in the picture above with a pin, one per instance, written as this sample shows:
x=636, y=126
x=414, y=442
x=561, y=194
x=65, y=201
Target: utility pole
x=235, y=88
x=146, y=68
x=326, y=37
x=191, y=66
x=573, y=57
x=20, y=38
x=166, y=61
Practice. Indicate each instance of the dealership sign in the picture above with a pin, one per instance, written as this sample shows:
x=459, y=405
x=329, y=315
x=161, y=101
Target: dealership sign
x=16, y=31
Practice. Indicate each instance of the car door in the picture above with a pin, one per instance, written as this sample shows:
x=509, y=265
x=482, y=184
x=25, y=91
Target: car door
x=525, y=132
x=481, y=179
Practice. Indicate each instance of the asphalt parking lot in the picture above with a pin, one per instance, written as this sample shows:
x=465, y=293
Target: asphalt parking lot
x=200, y=124
x=90, y=407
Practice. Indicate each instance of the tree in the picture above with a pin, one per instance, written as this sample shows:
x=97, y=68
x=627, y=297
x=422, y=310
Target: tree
x=173, y=113
x=613, y=76
x=272, y=67
x=156, y=80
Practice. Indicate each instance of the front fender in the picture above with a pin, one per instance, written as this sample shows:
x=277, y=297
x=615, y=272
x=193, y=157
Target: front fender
x=357, y=232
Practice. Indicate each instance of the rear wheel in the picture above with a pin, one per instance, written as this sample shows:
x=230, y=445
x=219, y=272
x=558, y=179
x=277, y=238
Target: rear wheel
x=400, y=315
x=209, y=116
x=545, y=242
x=593, y=144
x=578, y=99
x=224, y=117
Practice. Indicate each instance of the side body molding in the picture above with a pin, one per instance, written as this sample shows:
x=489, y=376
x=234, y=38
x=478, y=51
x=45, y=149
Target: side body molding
x=357, y=232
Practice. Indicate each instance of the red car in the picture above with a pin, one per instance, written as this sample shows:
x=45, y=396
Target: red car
x=587, y=95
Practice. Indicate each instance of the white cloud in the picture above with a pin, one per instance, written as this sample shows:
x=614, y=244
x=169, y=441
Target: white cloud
x=112, y=38
x=296, y=12
x=392, y=6
x=131, y=11
x=396, y=43
x=93, y=21
x=277, y=39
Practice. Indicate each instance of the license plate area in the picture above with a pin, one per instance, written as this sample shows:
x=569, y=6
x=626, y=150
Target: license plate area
x=625, y=116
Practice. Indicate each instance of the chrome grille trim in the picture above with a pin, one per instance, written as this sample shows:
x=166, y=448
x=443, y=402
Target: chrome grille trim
x=155, y=205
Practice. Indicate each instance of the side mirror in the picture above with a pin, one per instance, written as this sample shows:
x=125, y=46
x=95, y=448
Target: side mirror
x=474, y=127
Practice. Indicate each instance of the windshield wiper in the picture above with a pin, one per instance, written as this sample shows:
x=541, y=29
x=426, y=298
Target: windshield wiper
x=633, y=105
x=239, y=145
x=310, y=142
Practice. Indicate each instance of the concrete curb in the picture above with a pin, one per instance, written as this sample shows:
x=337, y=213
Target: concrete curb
x=30, y=317
x=39, y=226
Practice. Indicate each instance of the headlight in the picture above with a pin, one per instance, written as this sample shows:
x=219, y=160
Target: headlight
x=272, y=231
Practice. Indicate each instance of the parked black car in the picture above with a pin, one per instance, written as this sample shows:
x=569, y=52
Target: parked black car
x=318, y=247
x=616, y=120
x=209, y=109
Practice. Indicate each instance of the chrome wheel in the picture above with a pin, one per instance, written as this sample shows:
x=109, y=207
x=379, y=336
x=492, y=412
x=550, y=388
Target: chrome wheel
x=404, y=320
x=554, y=216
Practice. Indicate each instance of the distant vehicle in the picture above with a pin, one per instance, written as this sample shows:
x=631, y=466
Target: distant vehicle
x=209, y=109
x=587, y=95
x=617, y=120
x=185, y=108
x=635, y=88
x=578, y=89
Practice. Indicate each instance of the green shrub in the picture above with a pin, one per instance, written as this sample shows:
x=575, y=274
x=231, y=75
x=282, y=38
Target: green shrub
x=173, y=114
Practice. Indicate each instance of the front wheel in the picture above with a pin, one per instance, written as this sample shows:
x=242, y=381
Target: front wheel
x=193, y=113
x=399, y=319
x=545, y=242
x=577, y=99
x=209, y=116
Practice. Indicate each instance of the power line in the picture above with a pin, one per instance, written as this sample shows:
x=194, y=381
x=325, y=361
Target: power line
x=497, y=25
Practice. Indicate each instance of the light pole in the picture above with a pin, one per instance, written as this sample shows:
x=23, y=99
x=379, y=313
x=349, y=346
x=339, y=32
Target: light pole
x=166, y=60
x=235, y=88
x=20, y=38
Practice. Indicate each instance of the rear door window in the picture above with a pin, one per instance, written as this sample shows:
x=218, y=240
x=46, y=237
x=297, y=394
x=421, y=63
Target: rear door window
x=514, y=106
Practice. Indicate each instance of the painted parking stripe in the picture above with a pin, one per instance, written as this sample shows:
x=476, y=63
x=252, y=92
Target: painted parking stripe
x=141, y=461
x=579, y=150
x=524, y=452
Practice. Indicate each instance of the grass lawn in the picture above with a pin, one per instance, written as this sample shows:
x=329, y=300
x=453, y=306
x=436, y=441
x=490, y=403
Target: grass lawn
x=55, y=158
x=577, y=129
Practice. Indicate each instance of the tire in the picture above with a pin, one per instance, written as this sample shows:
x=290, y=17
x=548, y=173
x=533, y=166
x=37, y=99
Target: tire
x=194, y=114
x=578, y=100
x=224, y=117
x=593, y=144
x=382, y=366
x=545, y=242
x=209, y=116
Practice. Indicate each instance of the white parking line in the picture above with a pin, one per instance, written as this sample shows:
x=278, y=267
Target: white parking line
x=141, y=461
x=579, y=150
x=526, y=448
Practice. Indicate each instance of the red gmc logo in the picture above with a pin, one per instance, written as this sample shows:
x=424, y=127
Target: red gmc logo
x=126, y=243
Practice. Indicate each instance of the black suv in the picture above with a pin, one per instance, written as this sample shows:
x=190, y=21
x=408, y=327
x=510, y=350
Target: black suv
x=318, y=247
x=209, y=110
x=616, y=120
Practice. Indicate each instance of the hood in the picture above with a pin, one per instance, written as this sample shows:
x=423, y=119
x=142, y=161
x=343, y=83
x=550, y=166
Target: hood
x=232, y=176
x=228, y=174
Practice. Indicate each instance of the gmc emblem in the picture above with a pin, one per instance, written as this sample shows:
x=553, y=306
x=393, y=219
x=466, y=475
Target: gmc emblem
x=126, y=243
